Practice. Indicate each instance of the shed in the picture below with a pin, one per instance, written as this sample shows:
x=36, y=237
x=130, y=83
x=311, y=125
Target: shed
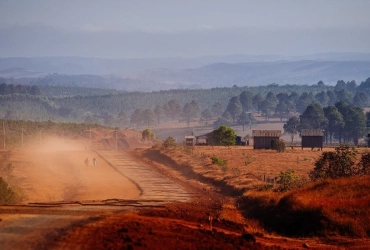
x=265, y=139
x=312, y=138
x=189, y=140
x=202, y=139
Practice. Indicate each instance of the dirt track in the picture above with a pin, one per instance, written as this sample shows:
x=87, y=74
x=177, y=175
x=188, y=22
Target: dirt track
x=63, y=192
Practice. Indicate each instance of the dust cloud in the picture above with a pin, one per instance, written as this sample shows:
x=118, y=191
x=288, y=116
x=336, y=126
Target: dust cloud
x=55, y=170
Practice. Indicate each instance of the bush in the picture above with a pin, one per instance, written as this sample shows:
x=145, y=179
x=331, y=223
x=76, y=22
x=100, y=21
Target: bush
x=218, y=161
x=279, y=145
x=148, y=134
x=9, y=195
x=170, y=142
x=336, y=164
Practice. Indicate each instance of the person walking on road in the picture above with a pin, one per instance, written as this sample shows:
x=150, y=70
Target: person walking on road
x=86, y=161
x=94, y=161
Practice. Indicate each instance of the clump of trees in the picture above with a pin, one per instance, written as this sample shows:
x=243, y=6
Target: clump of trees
x=342, y=121
x=222, y=136
x=341, y=163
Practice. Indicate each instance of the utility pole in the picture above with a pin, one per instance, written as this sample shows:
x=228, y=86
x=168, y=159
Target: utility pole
x=4, y=134
x=116, y=139
x=90, y=137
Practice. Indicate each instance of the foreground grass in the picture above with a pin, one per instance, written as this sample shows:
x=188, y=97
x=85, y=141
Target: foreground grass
x=330, y=207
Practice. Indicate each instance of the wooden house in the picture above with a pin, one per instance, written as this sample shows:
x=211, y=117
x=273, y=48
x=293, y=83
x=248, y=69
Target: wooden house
x=190, y=140
x=202, y=139
x=265, y=139
x=312, y=138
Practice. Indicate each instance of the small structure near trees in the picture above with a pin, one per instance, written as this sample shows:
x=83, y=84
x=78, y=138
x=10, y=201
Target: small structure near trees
x=189, y=140
x=265, y=139
x=312, y=138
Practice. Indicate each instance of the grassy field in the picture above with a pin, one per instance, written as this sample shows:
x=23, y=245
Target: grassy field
x=331, y=207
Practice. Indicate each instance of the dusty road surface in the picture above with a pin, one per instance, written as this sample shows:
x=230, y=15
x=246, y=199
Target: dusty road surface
x=63, y=191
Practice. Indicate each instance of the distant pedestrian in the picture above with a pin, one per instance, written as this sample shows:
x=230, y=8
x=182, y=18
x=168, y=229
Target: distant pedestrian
x=94, y=161
x=86, y=161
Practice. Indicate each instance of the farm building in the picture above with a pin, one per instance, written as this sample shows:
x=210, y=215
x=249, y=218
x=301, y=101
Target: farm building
x=202, y=139
x=312, y=138
x=265, y=139
x=189, y=140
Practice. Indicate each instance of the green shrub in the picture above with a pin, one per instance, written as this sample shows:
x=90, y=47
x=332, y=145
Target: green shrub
x=170, y=142
x=148, y=134
x=9, y=195
x=218, y=161
x=335, y=164
x=287, y=179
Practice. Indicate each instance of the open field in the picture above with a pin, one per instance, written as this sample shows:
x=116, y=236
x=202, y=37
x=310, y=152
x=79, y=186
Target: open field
x=178, y=214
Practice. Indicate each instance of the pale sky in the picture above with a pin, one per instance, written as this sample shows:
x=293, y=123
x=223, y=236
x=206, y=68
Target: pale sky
x=182, y=28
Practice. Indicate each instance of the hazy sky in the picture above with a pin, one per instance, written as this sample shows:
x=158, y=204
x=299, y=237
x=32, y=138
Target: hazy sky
x=182, y=28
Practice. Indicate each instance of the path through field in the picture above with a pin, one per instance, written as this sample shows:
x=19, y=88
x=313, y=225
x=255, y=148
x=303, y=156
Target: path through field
x=63, y=191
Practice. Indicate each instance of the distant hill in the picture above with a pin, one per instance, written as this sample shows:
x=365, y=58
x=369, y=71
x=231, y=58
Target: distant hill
x=153, y=74
x=263, y=73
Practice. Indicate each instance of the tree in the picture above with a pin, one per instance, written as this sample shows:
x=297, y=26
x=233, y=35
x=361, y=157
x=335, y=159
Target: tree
x=322, y=98
x=190, y=111
x=283, y=108
x=217, y=109
x=341, y=85
x=335, y=164
x=206, y=115
x=122, y=119
x=148, y=117
x=172, y=109
x=267, y=107
x=225, y=120
x=147, y=134
x=333, y=99
x=223, y=136
x=344, y=96
x=291, y=127
x=246, y=100
x=303, y=101
x=137, y=117
x=354, y=122
x=335, y=121
x=361, y=99
x=257, y=100
x=234, y=108
x=246, y=119
x=159, y=112
x=313, y=117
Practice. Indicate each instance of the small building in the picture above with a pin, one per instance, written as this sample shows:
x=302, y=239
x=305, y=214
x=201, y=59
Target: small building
x=202, y=139
x=239, y=141
x=190, y=140
x=265, y=139
x=312, y=138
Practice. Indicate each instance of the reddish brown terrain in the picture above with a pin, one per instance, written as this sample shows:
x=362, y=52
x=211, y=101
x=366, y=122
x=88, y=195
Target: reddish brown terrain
x=70, y=205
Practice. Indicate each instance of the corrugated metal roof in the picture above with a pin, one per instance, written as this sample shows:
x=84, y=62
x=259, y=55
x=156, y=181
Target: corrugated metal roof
x=312, y=132
x=189, y=137
x=266, y=133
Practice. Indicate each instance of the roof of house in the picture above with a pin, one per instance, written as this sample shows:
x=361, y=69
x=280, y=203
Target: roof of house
x=312, y=132
x=266, y=133
x=189, y=137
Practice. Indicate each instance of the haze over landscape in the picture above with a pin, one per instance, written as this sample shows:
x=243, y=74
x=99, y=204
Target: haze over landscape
x=193, y=44
x=197, y=124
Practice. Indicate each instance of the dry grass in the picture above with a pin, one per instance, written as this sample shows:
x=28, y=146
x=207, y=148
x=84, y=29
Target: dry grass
x=324, y=208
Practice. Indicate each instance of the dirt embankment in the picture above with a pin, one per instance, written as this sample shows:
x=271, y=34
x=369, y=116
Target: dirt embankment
x=277, y=212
